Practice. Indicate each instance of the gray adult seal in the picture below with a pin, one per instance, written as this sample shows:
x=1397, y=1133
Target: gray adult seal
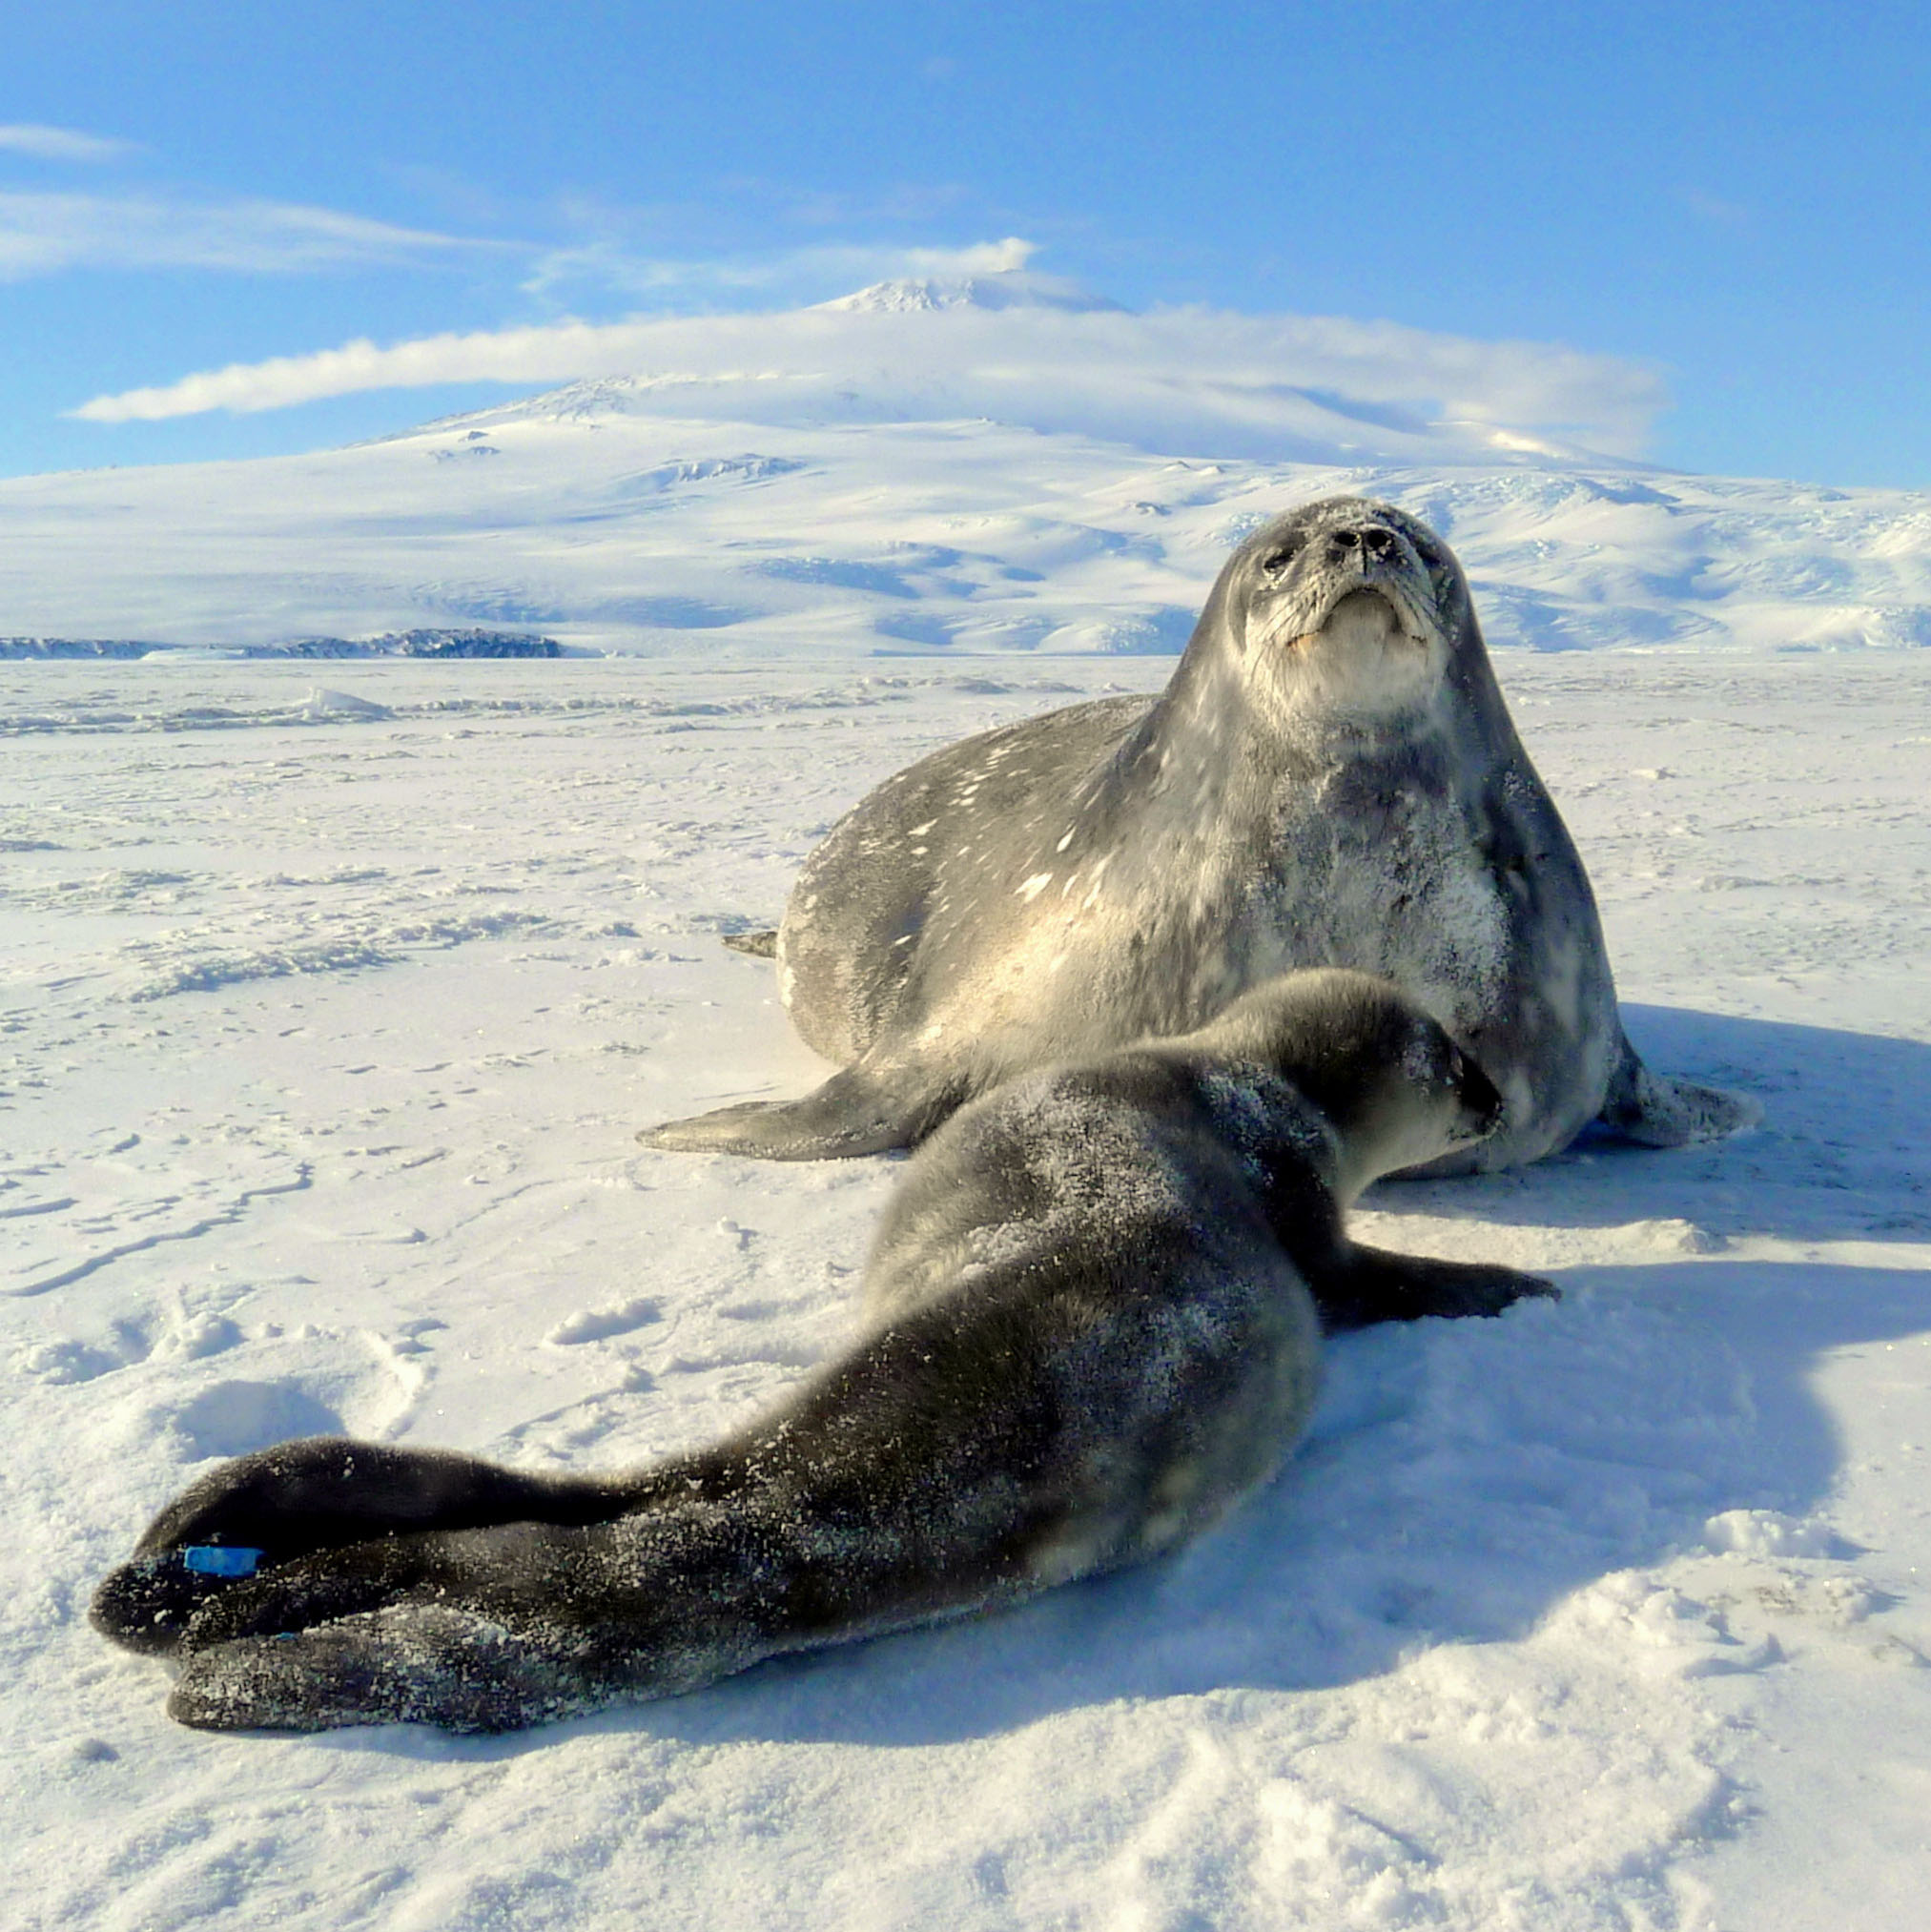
x=1332, y=778
x=1094, y=1316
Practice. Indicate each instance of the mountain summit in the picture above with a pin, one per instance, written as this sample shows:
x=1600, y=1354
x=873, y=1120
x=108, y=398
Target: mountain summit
x=1010, y=288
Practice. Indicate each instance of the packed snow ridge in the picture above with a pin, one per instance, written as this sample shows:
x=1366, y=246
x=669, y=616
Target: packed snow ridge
x=420, y=642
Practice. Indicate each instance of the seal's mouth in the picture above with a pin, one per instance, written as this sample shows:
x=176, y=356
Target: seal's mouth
x=1365, y=602
x=1361, y=614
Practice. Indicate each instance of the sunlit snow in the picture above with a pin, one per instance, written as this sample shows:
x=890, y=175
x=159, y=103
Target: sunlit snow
x=333, y=995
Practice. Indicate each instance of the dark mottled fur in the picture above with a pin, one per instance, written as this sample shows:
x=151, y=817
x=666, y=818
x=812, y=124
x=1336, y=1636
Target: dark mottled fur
x=1093, y=1316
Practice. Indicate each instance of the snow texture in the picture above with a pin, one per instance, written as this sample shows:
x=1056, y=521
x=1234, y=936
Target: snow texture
x=326, y=1029
x=327, y=1016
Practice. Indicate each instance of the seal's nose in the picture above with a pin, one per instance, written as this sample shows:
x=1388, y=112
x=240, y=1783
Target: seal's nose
x=1358, y=546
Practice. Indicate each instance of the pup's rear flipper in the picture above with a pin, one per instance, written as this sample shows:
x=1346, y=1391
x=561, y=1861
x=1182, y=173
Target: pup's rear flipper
x=1658, y=1111
x=759, y=945
x=853, y=1113
x=408, y=1663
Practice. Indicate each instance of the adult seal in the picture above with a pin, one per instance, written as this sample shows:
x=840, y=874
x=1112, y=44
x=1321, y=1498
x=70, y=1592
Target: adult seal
x=1330, y=778
x=1094, y=1311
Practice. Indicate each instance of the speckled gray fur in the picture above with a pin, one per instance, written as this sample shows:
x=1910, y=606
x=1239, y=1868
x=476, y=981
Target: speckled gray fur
x=1330, y=778
x=1092, y=1325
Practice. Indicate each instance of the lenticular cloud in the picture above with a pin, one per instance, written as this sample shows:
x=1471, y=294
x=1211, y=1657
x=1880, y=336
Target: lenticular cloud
x=1017, y=348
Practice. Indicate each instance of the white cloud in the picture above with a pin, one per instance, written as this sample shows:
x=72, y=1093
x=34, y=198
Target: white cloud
x=61, y=144
x=985, y=257
x=1714, y=208
x=550, y=352
x=1190, y=378
x=42, y=233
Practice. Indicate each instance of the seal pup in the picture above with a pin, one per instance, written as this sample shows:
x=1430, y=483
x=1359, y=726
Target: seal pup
x=1330, y=778
x=1092, y=1319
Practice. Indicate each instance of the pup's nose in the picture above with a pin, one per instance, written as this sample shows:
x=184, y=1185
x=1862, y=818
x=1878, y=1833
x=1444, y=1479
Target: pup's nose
x=1480, y=1096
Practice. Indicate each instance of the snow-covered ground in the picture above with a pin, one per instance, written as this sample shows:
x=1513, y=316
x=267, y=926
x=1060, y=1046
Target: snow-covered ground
x=327, y=1014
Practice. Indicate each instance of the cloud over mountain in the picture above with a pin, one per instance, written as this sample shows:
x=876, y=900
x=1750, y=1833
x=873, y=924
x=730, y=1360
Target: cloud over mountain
x=1017, y=348
x=60, y=144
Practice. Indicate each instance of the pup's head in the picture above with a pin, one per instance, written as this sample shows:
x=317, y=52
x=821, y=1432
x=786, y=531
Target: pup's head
x=1396, y=1089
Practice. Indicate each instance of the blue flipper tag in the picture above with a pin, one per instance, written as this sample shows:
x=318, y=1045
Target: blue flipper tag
x=213, y=1559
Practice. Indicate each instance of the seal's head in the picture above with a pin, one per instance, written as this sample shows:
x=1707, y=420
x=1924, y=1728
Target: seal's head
x=1344, y=607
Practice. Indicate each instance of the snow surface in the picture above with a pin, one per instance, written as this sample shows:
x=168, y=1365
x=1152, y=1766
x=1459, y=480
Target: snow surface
x=331, y=997
x=329, y=1012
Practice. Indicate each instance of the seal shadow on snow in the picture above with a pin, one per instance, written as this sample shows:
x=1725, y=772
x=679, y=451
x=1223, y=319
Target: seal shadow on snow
x=1396, y=1528
x=1460, y=1481
x=1844, y=1152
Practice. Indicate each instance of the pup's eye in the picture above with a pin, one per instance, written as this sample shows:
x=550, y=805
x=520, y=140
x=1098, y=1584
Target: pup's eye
x=1279, y=558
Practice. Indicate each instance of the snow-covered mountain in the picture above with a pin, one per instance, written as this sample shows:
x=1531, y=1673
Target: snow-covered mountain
x=1002, y=462
x=1008, y=289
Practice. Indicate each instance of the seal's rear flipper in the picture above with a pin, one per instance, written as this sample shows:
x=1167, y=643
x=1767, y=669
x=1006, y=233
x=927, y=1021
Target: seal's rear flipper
x=1657, y=1111
x=408, y=1663
x=318, y=1493
x=759, y=945
x=146, y=1604
x=853, y=1113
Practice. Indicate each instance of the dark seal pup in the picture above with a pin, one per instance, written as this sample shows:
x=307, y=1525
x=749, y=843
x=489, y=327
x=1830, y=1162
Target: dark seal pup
x=1331, y=779
x=1094, y=1306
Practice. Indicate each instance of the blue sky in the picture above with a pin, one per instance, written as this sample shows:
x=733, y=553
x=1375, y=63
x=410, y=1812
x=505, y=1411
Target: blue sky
x=1732, y=197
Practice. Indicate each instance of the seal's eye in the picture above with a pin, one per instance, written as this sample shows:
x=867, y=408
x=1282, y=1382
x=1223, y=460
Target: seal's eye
x=1278, y=559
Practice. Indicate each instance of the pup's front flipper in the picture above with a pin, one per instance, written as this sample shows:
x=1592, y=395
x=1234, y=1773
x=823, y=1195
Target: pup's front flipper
x=1367, y=1284
x=854, y=1112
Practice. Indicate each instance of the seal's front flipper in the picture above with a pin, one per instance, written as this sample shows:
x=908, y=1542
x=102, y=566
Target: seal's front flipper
x=1657, y=1111
x=853, y=1113
x=1367, y=1284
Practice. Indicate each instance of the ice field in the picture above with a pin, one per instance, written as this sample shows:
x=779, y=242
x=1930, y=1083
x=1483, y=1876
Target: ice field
x=334, y=995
